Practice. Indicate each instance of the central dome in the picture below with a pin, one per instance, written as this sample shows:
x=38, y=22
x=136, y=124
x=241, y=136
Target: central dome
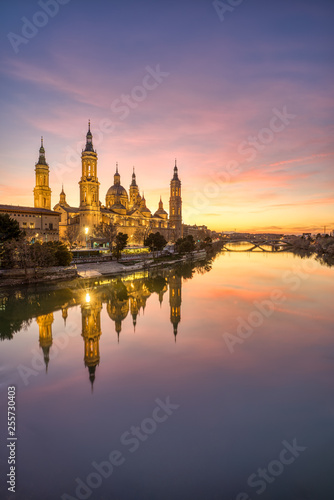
x=117, y=189
x=117, y=194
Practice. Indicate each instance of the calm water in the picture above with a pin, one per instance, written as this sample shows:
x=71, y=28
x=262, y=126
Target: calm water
x=212, y=383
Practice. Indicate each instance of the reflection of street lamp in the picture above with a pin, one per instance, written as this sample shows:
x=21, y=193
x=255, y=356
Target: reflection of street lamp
x=86, y=233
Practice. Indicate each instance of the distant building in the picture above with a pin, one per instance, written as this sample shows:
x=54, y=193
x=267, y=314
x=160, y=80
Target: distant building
x=198, y=232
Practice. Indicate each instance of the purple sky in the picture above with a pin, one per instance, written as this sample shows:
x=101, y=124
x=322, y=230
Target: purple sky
x=225, y=82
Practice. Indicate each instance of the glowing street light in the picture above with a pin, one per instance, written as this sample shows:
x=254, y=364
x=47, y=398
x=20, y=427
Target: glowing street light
x=86, y=233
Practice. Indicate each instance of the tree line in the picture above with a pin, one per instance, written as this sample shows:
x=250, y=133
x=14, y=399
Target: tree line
x=16, y=251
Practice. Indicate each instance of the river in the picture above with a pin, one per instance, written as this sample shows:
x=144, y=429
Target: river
x=206, y=383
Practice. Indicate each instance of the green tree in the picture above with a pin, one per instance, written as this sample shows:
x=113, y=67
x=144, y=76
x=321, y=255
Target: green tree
x=9, y=229
x=63, y=257
x=42, y=254
x=206, y=243
x=16, y=253
x=155, y=241
x=185, y=245
x=19, y=253
x=121, y=241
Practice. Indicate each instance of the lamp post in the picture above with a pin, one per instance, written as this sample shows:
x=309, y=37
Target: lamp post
x=86, y=233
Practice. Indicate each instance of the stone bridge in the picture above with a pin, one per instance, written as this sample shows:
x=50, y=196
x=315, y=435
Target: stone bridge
x=277, y=245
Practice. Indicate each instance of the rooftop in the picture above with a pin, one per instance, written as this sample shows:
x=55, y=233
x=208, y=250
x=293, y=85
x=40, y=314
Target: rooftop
x=18, y=208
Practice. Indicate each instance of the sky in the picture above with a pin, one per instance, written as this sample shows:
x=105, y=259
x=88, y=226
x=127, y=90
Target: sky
x=240, y=92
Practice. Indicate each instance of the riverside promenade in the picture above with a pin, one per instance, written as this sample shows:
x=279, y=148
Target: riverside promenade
x=91, y=269
x=17, y=277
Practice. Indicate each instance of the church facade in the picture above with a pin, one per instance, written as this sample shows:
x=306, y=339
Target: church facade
x=127, y=210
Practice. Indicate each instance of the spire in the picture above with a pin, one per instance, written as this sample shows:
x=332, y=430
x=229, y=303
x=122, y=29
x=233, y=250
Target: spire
x=143, y=201
x=175, y=177
x=91, y=370
x=62, y=197
x=133, y=183
x=41, y=159
x=175, y=331
x=117, y=177
x=161, y=205
x=89, y=139
x=46, y=355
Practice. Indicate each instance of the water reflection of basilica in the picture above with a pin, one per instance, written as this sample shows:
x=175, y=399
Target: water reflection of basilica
x=123, y=297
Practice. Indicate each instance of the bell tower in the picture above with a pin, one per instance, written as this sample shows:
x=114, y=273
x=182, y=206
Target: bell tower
x=134, y=190
x=42, y=191
x=89, y=187
x=175, y=204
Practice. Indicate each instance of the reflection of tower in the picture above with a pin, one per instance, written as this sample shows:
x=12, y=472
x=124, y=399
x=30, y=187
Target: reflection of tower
x=161, y=294
x=42, y=191
x=175, y=204
x=64, y=313
x=175, y=285
x=134, y=309
x=91, y=332
x=45, y=335
x=118, y=311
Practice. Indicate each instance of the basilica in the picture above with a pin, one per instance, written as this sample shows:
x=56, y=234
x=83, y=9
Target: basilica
x=126, y=209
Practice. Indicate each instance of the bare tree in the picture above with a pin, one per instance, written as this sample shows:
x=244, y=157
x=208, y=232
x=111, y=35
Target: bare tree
x=72, y=234
x=138, y=235
x=108, y=232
